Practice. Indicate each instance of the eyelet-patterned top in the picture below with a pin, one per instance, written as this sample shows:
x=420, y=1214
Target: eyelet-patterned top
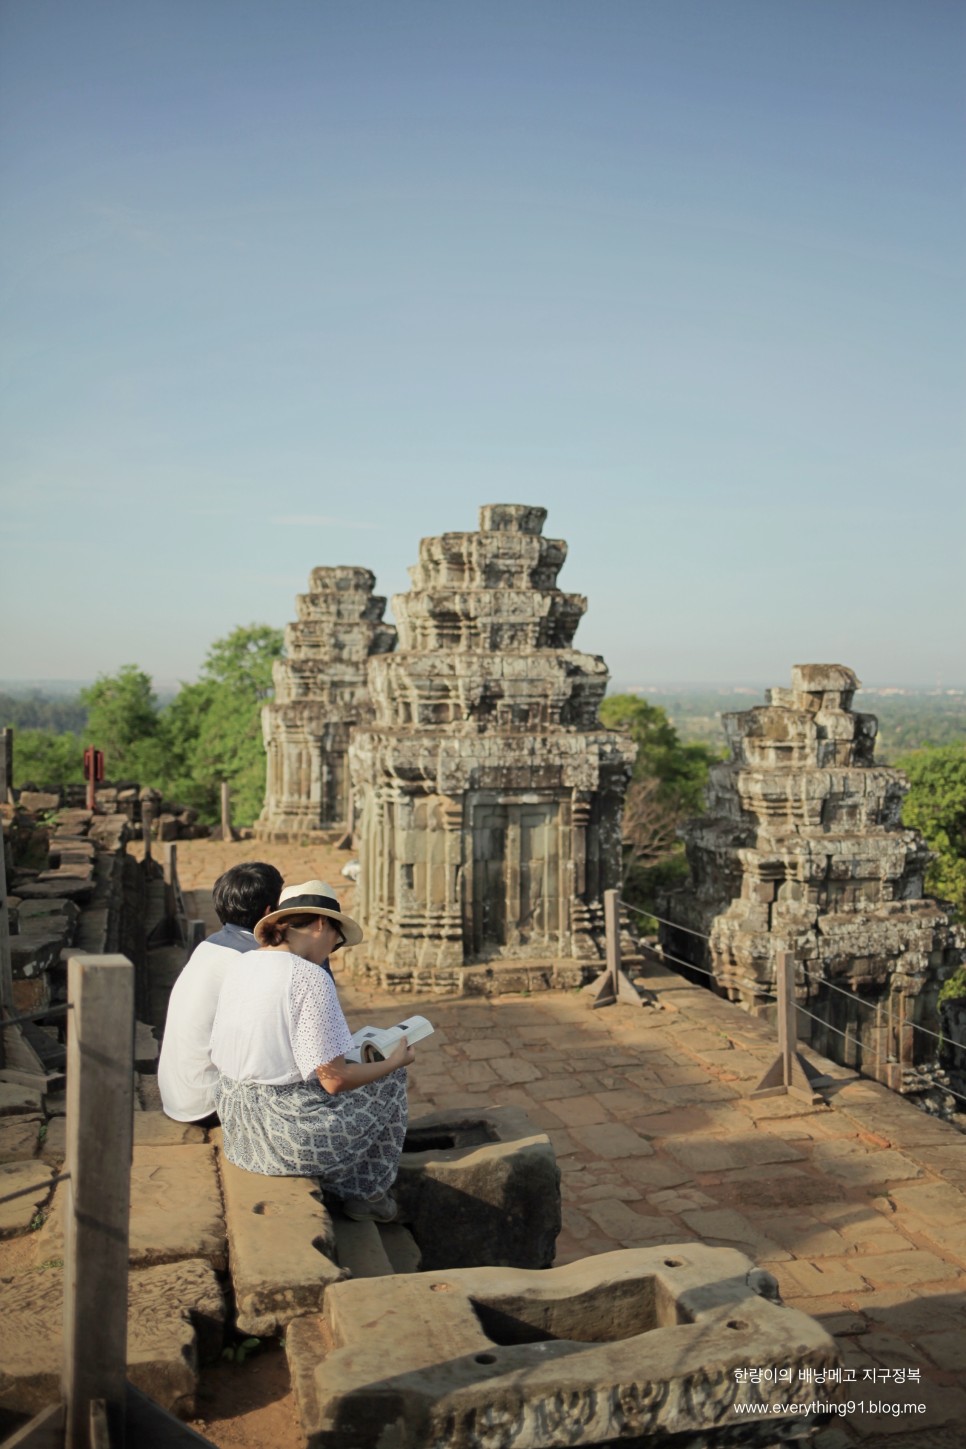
x=278, y=1018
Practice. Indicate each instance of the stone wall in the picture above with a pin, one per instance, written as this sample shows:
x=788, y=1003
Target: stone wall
x=70, y=884
x=802, y=851
x=488, y=795
x=320, y=693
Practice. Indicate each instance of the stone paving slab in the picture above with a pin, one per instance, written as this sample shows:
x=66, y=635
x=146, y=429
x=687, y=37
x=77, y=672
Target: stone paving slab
x=176, y=1210
x=847, y=1196
x=16, y=1099
x=19, y=1137
x=176, y=1315
x=282, y=1247
x=16, y=1217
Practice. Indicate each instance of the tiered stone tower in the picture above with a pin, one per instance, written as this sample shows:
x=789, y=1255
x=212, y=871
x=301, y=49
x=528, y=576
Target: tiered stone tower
x=320, y=693
x=489, y=795
x=802, y=851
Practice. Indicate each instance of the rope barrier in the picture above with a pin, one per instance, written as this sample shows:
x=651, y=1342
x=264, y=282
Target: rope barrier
x=673, y=924
x=818, y=980
x=754, y=986
x=854, y=996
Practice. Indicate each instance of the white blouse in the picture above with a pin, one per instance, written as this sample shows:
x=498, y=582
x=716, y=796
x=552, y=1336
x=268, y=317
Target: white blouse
x=278, y=1018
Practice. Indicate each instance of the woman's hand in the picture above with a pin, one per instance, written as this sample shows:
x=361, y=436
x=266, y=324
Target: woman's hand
x=342, y=1076
x=403, y=1056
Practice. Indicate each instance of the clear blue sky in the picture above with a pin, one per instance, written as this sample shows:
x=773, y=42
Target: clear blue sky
x=300, y=282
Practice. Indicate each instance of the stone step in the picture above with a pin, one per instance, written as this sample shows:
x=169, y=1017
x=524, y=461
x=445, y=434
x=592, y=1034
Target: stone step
x=176, y=1318
x=176, y=1208
x=282, y=1247
x=400, y=1248
x=360, y=1249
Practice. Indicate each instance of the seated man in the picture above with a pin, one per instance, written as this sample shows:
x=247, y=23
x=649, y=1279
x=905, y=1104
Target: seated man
x=186, y=1077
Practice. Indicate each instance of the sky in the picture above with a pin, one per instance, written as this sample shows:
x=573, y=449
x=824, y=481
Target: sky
x=301, y=283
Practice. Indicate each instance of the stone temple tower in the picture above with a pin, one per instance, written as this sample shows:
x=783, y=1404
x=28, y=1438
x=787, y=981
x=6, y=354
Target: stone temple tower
x=802, y=851
x=320, y=693
x=488, y=795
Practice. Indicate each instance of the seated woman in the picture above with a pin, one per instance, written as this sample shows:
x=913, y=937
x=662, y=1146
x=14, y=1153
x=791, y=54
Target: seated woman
x=289, y=1102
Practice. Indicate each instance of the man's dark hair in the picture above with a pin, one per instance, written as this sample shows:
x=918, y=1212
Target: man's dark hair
x=243, y=894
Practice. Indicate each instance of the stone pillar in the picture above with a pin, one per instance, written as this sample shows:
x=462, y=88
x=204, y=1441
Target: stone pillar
x=802, y=851
x=485, y=736
x=320, y=693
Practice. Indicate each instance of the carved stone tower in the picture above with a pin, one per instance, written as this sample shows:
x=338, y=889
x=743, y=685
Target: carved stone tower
x=802, y=851
x=320, y=693
x=488, y=794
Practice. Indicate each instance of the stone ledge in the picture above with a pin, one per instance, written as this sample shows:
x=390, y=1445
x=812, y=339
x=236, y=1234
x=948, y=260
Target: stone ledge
x=616, y=1347
x=480, y=1187
x=176, y=1316
x=281, y=1247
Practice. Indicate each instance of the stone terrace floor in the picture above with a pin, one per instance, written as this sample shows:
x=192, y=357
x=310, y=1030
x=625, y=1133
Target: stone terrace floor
x=857, y=1207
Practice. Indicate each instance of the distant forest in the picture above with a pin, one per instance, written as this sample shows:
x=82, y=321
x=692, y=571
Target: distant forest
x=906, y=721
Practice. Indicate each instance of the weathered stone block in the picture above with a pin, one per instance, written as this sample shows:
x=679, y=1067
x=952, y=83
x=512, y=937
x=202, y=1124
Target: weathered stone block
x=176, y=1316
x=176, y=1209
x=644, y=1346
x=17, y=1216
x=480, y=1188
x=38, y=800
x=282, y=1247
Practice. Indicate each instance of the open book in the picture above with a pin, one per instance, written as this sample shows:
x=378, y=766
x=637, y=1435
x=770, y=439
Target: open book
x=375, y=1043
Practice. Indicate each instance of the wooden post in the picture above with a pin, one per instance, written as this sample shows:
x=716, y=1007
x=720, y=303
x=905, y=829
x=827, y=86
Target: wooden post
x=225, y=810
x=147, y=820
x=612, y=985
x=6, y=767
x=789, y=1072
x=100, y=1105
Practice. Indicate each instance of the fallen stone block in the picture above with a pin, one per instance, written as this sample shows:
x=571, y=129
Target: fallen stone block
x=643, y=1346
x=34, y=951
x=17, y=1216
x=282, y=1247
x=16, y=1099
x=176, y=1211
x=153, y=1129
x=74, y=822
x=19, y=1138
x=480, y=1188
x=55, y=886
x=176, y=1317
x=35, y=800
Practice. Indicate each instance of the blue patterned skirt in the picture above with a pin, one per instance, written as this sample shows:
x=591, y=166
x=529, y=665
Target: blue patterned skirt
x=351, y=1141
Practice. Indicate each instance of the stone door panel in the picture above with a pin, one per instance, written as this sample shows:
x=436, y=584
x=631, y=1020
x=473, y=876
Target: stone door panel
x=514, y=888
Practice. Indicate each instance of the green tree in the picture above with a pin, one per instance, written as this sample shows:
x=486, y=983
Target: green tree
x=123, y=721
x=42, y=758
x=666, y=788
x=213, y=730
x=936, y=805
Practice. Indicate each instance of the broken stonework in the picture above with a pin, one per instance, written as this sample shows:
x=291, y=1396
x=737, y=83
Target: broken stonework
x=176, y=1317
x=802, y=851
x=282, y=1247
x=480, y=1189
x=488, y=796
x=630, y=1347
x=320, y=693
x=176, y=1210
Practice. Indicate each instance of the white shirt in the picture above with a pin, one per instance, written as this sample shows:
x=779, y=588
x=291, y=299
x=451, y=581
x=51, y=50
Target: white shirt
x=278, y=1018
x=186, y=1077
